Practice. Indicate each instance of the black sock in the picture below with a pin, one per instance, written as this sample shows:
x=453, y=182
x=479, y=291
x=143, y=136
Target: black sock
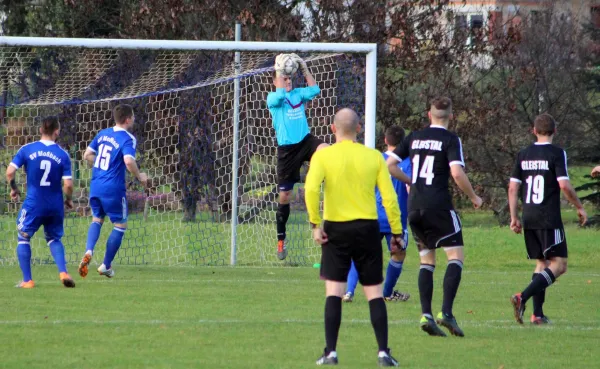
x=283, y=213
x=426, y=287
x=333, y=319
x=538, y=284
x=379, y=320
x=451, y=283
x=538, y=300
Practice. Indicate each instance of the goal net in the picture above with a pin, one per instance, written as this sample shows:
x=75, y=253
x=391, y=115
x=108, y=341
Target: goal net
x=184, y=108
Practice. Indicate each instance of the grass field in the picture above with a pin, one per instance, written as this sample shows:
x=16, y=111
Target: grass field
x=221, y=317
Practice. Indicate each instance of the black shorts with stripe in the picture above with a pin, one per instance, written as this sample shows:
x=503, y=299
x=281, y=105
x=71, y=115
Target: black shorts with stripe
x=358, y=241
x=434, y=228
x=290, y=159
x=544, y=244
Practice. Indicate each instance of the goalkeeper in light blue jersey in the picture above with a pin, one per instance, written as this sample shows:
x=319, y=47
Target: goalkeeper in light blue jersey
x=295, y=144
x=393, y=136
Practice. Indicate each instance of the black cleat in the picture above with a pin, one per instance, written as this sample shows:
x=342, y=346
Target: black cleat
x=450, y=324
x=386, y=359
x=328, y=358
x=428, y=325
x=519, y=307
x=397, y=296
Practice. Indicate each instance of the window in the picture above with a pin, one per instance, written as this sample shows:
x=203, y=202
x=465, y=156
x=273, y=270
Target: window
x=469, y=26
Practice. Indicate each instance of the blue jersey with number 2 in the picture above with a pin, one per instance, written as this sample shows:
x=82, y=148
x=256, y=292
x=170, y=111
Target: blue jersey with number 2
x=111, y=146
x=45, y=164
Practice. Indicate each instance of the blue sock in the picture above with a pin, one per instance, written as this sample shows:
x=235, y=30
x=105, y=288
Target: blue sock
x=24, y=255
x=352, y=279
x=93, y=235
x=112, y=245
x=394, y=270
x=58, y=253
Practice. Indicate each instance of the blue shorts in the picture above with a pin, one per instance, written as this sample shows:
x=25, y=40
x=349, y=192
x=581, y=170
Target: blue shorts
x=29, y=222
x=388, y=238
x=113, y=206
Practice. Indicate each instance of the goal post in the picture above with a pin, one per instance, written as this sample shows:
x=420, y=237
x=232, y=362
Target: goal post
x=173, y=85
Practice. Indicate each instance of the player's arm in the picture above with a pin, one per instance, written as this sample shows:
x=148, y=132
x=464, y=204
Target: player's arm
x=312, y=196
x=67, y=178
x=275, y=99
x=596, y=171
x=562, y=175
x=91, y=151
x=11, y=172
x=457, y=164
x=131, y=163
x=395, y=158
x=513, y=196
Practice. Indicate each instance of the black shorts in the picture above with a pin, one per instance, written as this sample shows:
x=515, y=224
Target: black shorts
x=290, y=159
x=358, y=241
x=435, y=228
x=545, y=243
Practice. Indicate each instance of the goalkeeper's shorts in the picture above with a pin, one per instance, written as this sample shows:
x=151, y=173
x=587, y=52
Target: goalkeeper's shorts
x=290, y=159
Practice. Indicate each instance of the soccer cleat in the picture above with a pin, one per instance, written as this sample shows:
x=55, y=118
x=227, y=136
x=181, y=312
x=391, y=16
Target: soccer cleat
x=281, y=249
x=450, y=324
x=536, y=320
x=106, y=272
x=66, y=280
x=28, y=284
x=397, y=296
x=328, y=358
x=83, y=266
x=386, y=359
x=519, y=307
x=348, y=297
x=428, y=325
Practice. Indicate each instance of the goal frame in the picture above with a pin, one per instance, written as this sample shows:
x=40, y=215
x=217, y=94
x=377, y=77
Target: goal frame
x=368, y=49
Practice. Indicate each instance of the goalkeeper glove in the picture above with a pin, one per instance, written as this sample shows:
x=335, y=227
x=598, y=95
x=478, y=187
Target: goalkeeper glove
x=279, y=65
x=301, y=63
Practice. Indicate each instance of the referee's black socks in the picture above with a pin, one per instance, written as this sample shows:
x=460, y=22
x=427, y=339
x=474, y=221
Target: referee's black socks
x=451, y=283
x=426, y=287
x=379, y=320
x=539, y=283
x=333, y=319
x=283, y=213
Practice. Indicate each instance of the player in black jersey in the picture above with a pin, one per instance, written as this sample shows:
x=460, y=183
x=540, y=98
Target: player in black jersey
x=436, y=153
x=542, y=171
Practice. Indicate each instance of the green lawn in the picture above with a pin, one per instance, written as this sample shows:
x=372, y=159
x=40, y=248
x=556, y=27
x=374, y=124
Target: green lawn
x=271, y=317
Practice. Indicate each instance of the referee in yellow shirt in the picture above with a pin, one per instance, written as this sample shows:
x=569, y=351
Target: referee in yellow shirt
x=350, y=230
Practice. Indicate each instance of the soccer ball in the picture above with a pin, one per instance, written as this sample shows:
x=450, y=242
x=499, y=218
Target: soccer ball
x=290, y=66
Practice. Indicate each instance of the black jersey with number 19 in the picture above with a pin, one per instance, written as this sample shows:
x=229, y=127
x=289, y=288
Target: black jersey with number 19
x=432, y=151
x=538, y=169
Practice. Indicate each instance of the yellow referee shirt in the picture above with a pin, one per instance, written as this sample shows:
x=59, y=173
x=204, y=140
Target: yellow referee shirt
x=350, y=171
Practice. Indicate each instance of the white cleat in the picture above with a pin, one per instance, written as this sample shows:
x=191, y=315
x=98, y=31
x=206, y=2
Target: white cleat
x=106, y=272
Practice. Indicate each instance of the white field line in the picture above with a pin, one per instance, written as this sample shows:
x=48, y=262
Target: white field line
x=199, y=280
x=494, y=324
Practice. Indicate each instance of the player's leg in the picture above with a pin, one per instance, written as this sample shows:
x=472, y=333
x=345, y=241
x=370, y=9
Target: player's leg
x=116, y=209
x=335, y=265
x=394, y=269
x=27, y=225
x=352, y=282
x=368, y=257
x=289, y=161
x=282, y=216
x=538, y=299
x=98, y=215
x=53, y=231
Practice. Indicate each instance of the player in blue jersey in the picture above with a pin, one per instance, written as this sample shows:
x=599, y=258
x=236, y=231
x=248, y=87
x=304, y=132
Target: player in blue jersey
x=110, y=153
x=295, y=144
x=46, y=165
x=393, y=136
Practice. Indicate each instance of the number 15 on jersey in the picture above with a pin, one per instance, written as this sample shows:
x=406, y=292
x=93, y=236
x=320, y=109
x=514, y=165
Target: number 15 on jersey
x=103, y=157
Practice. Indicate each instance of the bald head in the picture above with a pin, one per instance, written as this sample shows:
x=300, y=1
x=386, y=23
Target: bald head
x=346, y=121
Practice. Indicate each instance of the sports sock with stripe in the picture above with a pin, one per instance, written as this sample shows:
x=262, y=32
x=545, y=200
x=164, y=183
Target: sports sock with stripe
x=352, y=279
x=93, y=235
x=24, y=256
x=451, y=283
x=112, y=245
x=426, y=287
x=392, y=274
x=539, y=283
x=57, y=249
x=282, y=215
x=538, y=300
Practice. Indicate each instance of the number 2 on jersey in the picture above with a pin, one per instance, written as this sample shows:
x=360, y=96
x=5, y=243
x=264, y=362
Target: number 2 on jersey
x=535, y=185
x=103, y=157
x=45, y=165
x=426, y=170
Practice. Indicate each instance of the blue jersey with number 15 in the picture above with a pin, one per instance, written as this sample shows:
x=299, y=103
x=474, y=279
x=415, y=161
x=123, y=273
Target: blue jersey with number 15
x=46, y=164
x=111, y=146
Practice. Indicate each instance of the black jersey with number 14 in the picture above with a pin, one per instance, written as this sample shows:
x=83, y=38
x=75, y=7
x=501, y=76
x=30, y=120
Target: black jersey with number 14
x=538, y=169
x=432, y=152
